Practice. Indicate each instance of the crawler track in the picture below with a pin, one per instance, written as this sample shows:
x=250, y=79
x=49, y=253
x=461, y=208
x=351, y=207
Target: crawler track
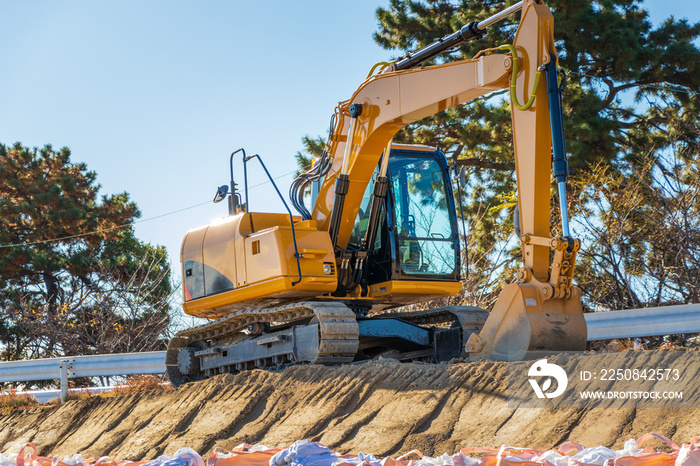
x=338, y=333
x=338, y=336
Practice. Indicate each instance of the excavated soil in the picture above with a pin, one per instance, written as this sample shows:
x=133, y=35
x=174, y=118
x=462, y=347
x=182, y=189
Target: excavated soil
x=382, y=407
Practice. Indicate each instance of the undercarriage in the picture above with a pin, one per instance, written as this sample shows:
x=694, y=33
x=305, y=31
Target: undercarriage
x=318, y=333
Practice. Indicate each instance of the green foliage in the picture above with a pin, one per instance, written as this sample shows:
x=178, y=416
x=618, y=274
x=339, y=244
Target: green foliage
x=313, y=148
x=69, y=258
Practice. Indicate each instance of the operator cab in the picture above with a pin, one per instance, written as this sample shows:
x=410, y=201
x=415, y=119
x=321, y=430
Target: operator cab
x=418, y=237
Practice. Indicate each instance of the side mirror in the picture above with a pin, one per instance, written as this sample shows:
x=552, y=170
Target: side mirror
x=221, y=193
x=463, y=176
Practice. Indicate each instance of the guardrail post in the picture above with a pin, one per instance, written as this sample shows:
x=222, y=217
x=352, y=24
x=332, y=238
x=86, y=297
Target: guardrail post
x=65, y=365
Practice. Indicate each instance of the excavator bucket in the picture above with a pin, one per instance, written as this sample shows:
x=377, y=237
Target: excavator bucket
x=522, y=321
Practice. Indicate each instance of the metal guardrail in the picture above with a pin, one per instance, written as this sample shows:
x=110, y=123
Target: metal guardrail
x=646, y=322
x=152, y=362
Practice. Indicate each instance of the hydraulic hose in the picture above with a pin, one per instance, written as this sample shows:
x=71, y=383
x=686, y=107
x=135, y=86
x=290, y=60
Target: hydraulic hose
x=514, y=80
x=381, y=65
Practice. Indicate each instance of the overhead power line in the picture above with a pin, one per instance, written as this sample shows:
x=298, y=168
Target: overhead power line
x=126, y=225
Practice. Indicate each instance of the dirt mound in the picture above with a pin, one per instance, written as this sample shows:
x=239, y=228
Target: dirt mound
x=382, y=407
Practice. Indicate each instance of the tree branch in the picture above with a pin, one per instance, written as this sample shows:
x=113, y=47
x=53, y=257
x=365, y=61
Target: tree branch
x=486, y=164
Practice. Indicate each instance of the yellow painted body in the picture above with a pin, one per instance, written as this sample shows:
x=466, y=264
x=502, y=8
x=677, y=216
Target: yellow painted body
x=246, y=266
x=249, y=258
x=543, y=310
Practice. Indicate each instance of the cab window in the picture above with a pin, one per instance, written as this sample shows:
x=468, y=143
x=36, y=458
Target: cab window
x=425, y=239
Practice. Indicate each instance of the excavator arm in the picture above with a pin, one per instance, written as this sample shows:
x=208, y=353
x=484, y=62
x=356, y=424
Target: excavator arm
x=542, y=310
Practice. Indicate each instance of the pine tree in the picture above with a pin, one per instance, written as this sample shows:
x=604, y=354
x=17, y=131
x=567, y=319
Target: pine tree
x=64, y=251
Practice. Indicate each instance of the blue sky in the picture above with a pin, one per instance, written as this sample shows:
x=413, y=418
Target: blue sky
x=155, y=95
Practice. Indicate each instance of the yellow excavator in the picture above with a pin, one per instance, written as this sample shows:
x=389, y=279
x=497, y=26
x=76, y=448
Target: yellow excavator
x=323, y=286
